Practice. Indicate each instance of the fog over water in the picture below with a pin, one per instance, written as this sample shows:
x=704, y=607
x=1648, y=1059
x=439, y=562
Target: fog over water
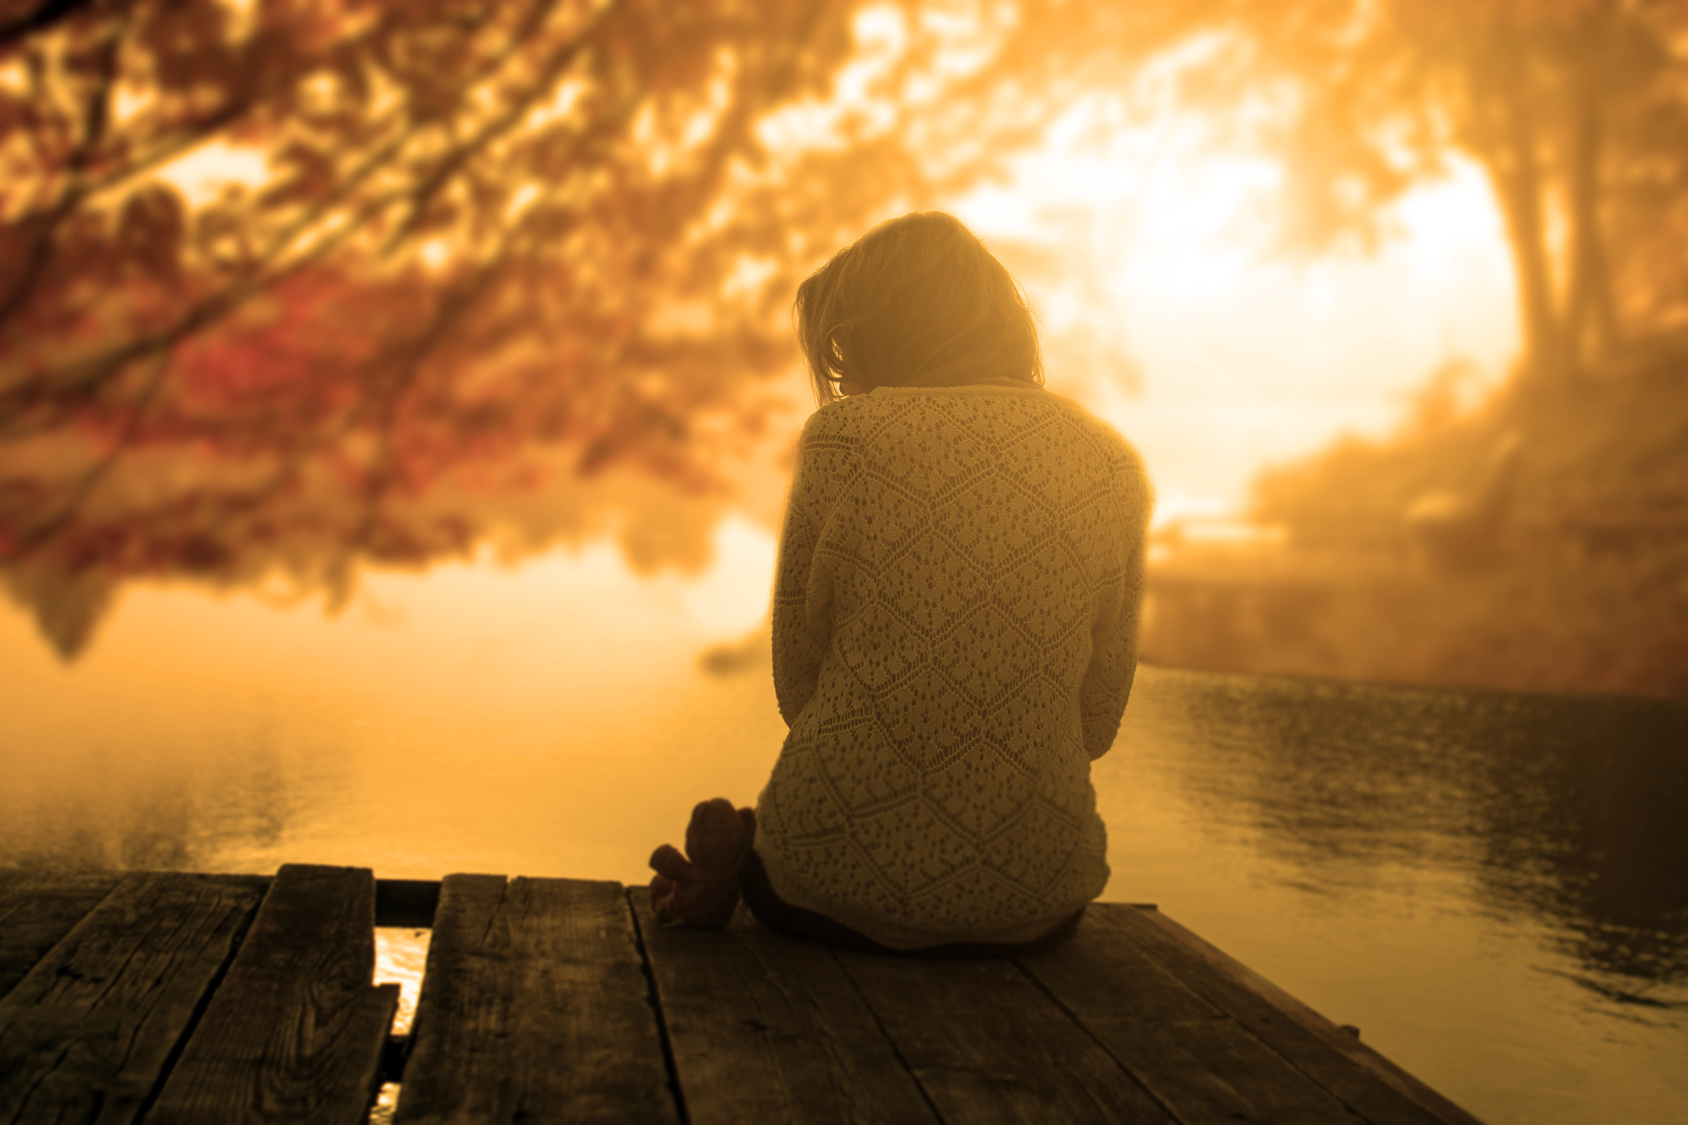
x=1490, y=886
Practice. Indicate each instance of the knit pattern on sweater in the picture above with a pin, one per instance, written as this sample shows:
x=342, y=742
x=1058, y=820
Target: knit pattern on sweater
x=955, y=623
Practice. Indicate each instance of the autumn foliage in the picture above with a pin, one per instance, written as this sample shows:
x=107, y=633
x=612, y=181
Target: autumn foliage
x=464, y=231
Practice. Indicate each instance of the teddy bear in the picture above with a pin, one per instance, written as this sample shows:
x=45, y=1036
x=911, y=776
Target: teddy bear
x=700, y=888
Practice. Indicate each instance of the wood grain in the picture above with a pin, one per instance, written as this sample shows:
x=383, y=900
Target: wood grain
x=534, y=1008
x=295, y=1030
x=85, y=1035
x=37, y=908
x=765, y=1028
x=1196, y=1060
x=987, y=1045
x=1312, y=1044
x=1099, y=972
x=1216, y=1070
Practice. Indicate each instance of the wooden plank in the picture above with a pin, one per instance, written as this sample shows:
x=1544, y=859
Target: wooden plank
x=534, y=1008
x=296, y=1030
x=1189, y=1054
x=1216, y=1070
x=1097, y=974
x=1355, y=1075
x=87, y=1033
x=987, y=1045
x=765, y=1028
x=37, y=908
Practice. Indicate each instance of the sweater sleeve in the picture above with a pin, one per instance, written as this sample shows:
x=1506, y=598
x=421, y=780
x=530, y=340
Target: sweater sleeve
x=1113, y=653
x=797, y=650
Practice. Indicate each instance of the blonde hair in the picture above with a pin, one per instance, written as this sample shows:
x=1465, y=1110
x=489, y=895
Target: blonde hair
x=916, y=301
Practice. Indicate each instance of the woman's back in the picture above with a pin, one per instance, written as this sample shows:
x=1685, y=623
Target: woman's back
x=954, y=639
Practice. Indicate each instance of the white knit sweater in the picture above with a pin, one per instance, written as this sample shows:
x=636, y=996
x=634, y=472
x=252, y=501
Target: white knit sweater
x=955, y=628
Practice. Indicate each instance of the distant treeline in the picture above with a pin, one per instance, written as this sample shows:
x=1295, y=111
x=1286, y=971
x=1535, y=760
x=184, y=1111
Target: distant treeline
x=1539, y=544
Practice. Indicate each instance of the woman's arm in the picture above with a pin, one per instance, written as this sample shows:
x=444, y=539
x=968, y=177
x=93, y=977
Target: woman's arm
x=797, y=651
x=1113, y=653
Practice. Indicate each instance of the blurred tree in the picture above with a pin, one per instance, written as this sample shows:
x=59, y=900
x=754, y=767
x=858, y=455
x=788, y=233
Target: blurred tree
x=1576, y=109
x=276, y=276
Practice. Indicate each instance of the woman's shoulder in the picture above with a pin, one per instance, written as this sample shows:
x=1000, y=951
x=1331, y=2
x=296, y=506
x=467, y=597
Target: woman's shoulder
x=1098, y=433
x=1009, y=411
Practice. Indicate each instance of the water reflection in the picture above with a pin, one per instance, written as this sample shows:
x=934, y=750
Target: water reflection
x=1563, y=808
x=545, y=719
x=128, y=802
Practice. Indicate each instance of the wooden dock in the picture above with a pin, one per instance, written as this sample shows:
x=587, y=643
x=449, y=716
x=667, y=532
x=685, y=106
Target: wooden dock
x=172, y=997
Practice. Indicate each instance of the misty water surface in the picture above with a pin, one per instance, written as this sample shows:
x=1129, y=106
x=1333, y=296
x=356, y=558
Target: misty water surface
x=1490, y=886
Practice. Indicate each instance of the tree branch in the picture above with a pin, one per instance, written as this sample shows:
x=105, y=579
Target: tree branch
x=94, y=119
x=77, y=381
x=453, y=162
x=49, y=13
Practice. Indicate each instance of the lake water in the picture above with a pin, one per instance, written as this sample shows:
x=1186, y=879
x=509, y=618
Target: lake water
x=1493, y=887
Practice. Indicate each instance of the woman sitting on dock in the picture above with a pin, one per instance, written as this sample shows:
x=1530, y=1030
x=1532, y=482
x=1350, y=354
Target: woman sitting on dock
x=955, y=623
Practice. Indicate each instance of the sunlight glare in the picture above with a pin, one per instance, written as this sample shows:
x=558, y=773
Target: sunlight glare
x=881, y=36
x=559, y=106
x=734, y=595
x=1444, y=220
x=204, y=173
x=1247, y=359
x=435, y=253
